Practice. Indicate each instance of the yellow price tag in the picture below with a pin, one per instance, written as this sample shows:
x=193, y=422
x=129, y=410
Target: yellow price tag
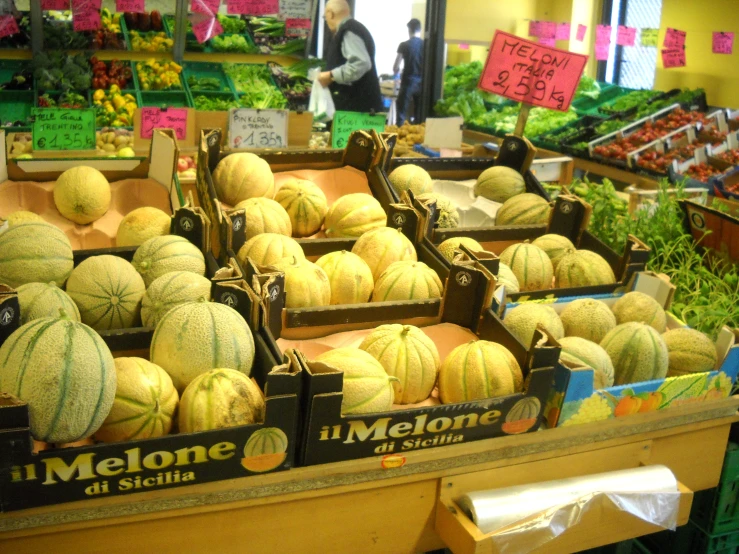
x=649, y=37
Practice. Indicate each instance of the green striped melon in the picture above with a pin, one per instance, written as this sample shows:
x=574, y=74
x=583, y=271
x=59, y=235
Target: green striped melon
x=367, y=387
x=499, y=183
x=34, y=252
x=524, y=209
x=264, y=215
x=22, y=216
x=39, y=300
x=218, y=399
x=265, y=450
x=269, y=248
x=353, y=215
x=448, y=217
x=530, y=264
x=638, y=352
x=508, y=279
x=477, y=370
x=144, y=405
x=383, y=246
x=160, y=255
x=306, y=284
x=349, y=276
x=194, y=338
x=580, y=352
x=170, y=290
x=588, y=319
x=556, y=247
x=411, y=177
x=524, y=318
x=65, y=372
x=583, y=268
x=243, y=175
x=408, y=354
x=108, y=291
x=448, y=247
x=82, y=194
x=689, y=351
x=407, y=280
x=642, y=308
x=306, y=205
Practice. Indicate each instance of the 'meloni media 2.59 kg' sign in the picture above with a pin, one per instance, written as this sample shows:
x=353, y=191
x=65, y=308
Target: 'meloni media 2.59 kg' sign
x=529, y=72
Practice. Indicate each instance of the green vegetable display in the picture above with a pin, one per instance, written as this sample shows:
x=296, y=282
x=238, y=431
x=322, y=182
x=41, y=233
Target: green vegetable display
x=60, y=71
x=255, y=87
x=628, y=101
x=232, y=43
x=231, y=25
x=587, y=88
x=209, y=104
x=540, y=120
x=204, y=83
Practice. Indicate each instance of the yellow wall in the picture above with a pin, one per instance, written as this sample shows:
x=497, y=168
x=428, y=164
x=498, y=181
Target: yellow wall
x=718, y=74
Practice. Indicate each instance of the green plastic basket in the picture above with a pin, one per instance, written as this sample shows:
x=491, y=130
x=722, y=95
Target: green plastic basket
x=165, y=99
x=55, y=94
x=717, y=510
x=9, y=67
x=15, y=105
x=205, y=70
x=224, y=96
x=589, y=106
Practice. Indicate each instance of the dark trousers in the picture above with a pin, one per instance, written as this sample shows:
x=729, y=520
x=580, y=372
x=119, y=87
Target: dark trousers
x=410, y=90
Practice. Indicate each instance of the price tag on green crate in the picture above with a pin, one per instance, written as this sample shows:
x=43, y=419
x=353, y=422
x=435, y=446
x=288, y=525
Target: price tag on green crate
x=345, y=123
x=60, y=129
x=251, y=128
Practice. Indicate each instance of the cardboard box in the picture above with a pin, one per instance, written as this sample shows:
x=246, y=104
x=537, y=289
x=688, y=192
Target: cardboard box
x=714, y=229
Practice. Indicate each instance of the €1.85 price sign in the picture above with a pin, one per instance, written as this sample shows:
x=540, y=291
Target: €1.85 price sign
x=528, y=72
x=59, y=129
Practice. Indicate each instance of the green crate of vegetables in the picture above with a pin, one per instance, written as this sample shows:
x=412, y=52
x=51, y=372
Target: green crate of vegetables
x=15, y=107
x=239, y=44
x=214, y=101
x=254, y=86
x=166, y=99
x=205, y=77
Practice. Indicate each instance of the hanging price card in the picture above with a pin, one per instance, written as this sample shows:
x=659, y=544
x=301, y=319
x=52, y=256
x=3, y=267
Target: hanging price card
x=563, y=31
x=206, y=28
x=208, y=7
x=294, y=9
x=58, y=5
x=649, y=37
x=534, y=28
x=552, y=42
x=86, y=5
x=252, y=7
x=581, y=30
x=297, y=27
x=248, y=128
x=626, y=36
x=58, y=129
x=8, y=26
x=674, y=39
x=164, y=118
x=547, y=29
x=86, y=20
x=723, y=43
x=528, y=72
x=345, y=123
x=132, y=6
x=673, y=58
x=602, y=34
x=601, y=52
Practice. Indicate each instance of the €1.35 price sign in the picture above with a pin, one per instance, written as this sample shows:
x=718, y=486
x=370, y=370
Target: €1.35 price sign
x=251, y=128
x=532, y=73
x=59, y=129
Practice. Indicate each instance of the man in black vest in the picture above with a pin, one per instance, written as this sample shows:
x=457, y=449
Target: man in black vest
x=350, y=60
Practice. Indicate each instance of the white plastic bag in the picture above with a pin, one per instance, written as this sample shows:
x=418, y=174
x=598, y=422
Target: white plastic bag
x=321, y=103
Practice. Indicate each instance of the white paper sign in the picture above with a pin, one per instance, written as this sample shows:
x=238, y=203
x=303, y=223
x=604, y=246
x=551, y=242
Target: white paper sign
x=249, y=128
x=444, y=132
x=295, y=9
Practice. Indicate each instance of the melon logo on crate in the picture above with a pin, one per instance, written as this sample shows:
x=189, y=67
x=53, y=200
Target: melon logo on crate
x=463, y=278
x=274, y=292
x=213, y=140
x=565, y=207
x=6, y=316
x=229, y=299
x=697, y=220
x=399, y=219
x=187, y=224
x=238, y=224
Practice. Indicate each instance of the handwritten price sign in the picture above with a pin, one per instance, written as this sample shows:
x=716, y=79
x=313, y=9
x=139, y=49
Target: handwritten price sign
x=674, y=39
x=534, y=28
x=132, y=6
x=345, y=123
x=206, y=28
x=59, y=5
x=86, y=5
x=253, y=7
x=551, y=42
x=208, y=7
x=581, y=30
x=57, y=129
x=86, y=20
x=601, y=52
x=547, y=29
x=563, y=31
x=626, y=36
x=8, y=26
x=649, y=37
x=673, y=58
x=528, y=72
x=602, y=34
x=159, y=118
x=723, y=43
x=297, y=27
x=248, y=128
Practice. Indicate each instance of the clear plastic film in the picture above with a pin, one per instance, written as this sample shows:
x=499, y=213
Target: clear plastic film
x=521, y=519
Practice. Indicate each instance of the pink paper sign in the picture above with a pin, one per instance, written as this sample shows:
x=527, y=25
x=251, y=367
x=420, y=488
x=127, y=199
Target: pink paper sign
x=552, y=42
x=601, y=52
x=132, y=6
x=626, y=36
x=463, y=46
x=563, y=31
x=206, y=28
x=161, y=118
x=673, y=58
x=59, y=5
x=534, y=28
x=529, y=72
x=209, y=7
x=547, y=29
x=581, y=30
x=253, y=7
x=602, y=34
x=723, y=43
x=300, y=27
x=88, y=20
x=86, y=5
x=674, y=39
x=8, y=26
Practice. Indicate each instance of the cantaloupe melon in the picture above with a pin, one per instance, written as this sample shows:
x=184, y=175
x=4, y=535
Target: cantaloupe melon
x=367, y=387
x=264, y=215
x=194, y=338
x=218, y=399
x=411, y=177
x=638, y=352
x=306, y=205
x=243, y=175
x=530, y=264
x=352, y=215
x=588, y=319
x=408, y=354
x=689, y=351
x=160, y=255
x=583, y=268
x=555, y=246
x=65, y=372
x=141, y=224
x=108, y=292
x=34, y=252
x=448, y=247
x=524, y=318
x=144, y=405
x=349, y=276
x=523, y=209
x=383, y=246
x=448, y=217
x=268, y=248
x=522, y=416
x=170, y=290
x=407, y=280
x=265, y=450
x=499, y=183
x=39, y=300
x=640, y=307
x=508, y=279
x=306, y=284
x=82, y=194
x=22, y=216
x=580, y=352
x=476, y=370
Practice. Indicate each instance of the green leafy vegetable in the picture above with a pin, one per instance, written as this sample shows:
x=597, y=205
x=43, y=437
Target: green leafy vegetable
x=255, y=87
x=587, y=88
x=232, y=43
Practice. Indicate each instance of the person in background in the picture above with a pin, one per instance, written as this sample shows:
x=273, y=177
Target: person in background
x=410, y=53
x=350, y=61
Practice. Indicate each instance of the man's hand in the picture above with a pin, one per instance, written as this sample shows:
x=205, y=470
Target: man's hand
x=325, y=78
